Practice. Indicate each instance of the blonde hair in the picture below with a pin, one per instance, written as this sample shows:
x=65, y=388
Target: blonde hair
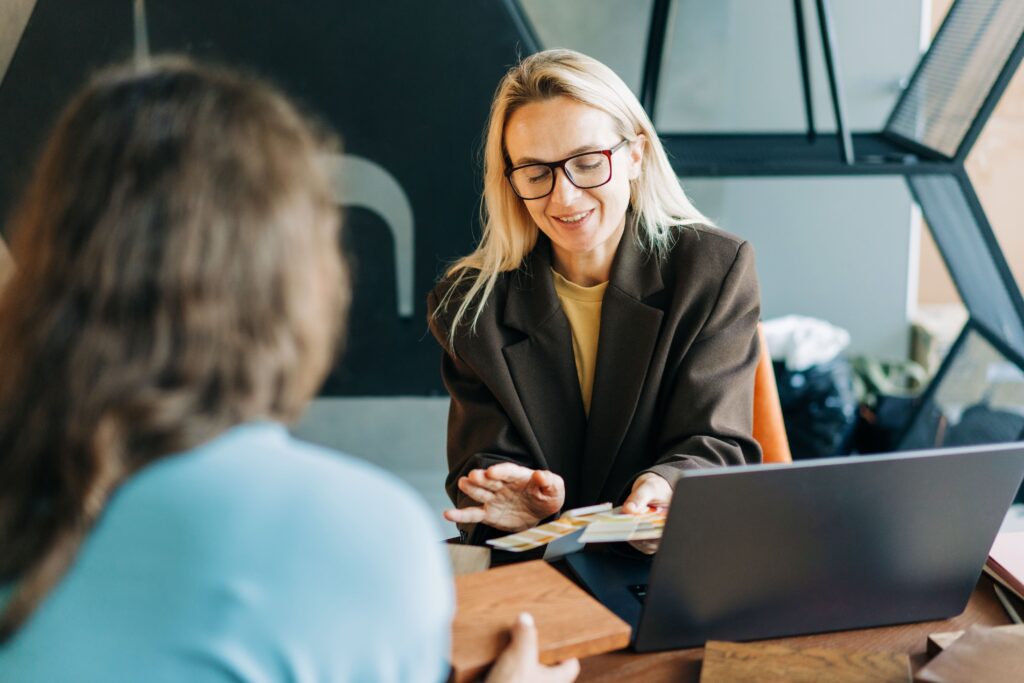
x=659, y=207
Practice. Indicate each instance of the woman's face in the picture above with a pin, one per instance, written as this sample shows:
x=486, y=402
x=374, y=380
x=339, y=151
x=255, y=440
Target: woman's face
x=578, y=222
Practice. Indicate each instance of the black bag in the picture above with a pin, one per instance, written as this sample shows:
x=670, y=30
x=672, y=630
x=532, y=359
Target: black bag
x=889, y=392
x=983, y=424
x=819, y=407
x=880, y=427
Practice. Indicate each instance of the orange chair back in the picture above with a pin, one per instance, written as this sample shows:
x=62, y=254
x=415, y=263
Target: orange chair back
x=769, y=427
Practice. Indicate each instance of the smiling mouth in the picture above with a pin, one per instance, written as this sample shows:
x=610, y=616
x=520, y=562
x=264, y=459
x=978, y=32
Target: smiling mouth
x=574, y=218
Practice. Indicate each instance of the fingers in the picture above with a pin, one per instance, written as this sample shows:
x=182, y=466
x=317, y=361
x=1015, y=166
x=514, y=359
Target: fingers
x=548, y=483
x=646, y=547
x=480, y=478
x=509, y=473
x=518, y=661
x=481, y=485
x=524, y=638
x=562, y=673
x=475, y=491
x=638, y=500
x=470, y=515
x=545, y=493
x=649, y=491
x=524, y=648
x=522, y=657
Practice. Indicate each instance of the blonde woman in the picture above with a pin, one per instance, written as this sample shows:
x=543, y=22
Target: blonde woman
x=601, y=339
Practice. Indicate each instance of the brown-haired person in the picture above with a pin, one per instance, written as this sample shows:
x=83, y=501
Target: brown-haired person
x=178, y=295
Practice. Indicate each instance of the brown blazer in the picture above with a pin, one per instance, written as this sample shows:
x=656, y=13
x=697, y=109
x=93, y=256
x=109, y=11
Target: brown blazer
x=674, y=381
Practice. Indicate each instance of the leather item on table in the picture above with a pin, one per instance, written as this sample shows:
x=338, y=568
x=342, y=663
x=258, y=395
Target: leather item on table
x=981, y=655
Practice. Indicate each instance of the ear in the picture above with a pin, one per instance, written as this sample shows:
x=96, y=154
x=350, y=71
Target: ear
x=637, y=147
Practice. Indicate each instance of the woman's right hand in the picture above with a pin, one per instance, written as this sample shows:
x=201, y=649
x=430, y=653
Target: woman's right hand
x=519, y=664
x=513, y=497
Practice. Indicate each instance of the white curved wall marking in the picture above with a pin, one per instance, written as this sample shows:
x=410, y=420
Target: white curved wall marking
x=360, y=182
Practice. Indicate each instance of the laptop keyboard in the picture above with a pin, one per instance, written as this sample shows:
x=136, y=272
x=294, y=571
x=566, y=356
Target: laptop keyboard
x=639, y=591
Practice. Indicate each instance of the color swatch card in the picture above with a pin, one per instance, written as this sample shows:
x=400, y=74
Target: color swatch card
x=568, y=523
x=599, y=524
x=616, y=526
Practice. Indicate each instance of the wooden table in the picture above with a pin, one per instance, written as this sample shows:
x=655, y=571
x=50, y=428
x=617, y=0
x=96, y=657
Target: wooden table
x=684, y=665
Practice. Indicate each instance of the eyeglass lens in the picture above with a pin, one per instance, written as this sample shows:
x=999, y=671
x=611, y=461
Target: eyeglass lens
x=584, y=171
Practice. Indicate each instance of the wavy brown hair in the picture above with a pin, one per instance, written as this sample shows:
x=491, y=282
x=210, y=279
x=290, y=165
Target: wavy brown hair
x=178, y=272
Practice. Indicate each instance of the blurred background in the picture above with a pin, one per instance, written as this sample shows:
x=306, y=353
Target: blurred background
x=874, y=161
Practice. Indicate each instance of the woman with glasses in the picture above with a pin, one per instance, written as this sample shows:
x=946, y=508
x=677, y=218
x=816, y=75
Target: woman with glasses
x=178, y=296
x=601, y=339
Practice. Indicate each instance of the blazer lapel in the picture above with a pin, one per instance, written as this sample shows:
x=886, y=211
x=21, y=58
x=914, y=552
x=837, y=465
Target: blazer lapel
x=629, y=332
x=543, y=367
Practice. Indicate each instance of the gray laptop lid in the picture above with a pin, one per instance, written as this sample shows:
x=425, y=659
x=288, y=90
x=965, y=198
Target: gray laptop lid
x=773, y=550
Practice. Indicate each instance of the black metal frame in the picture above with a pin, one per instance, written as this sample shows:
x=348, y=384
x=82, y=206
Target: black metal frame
x=835, y=86
x=656, y=39
x=882, y=152
x=715, y=155
x=805, y=71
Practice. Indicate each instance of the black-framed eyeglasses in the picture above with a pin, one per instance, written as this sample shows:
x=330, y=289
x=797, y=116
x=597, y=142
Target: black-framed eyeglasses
x=586, y=171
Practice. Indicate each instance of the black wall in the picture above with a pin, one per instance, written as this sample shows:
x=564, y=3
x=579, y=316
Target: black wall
x=406, y=83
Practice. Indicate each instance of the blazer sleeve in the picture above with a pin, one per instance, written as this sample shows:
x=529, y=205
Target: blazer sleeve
x=480, y=433
x=709, y=411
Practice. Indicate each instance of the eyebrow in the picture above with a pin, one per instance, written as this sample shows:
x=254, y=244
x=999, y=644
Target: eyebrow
x=579, y=150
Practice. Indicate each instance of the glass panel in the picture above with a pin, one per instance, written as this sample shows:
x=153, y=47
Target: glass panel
x=826, y=260
x=716, y=72
x=979, y=399
x=611, y=31
x=975, y=268
x=939, y=316
x=958, y=72
x=996, y=168
x=734, y=65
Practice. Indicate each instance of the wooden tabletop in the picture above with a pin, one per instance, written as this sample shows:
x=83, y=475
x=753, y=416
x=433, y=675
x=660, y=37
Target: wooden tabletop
x=684, y=665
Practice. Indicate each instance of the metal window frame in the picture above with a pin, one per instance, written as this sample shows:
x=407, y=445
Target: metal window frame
x=881, y=153
x=980, y=118
x=972, y=325
x=983, y=228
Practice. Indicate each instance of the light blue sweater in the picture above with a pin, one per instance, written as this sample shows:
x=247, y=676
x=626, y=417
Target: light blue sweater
x=254, y=557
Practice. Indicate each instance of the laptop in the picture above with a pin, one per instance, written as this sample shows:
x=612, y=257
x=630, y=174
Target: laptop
x=766, y=551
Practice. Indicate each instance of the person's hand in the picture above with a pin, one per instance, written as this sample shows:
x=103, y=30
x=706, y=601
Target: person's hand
x=513, y=497
x=519, y=663
x=651, y=493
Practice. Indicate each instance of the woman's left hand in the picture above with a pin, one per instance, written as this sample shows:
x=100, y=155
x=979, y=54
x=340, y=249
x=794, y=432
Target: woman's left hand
x=651, y=493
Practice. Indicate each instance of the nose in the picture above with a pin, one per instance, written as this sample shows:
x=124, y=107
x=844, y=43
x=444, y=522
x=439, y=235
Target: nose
x=564, y=192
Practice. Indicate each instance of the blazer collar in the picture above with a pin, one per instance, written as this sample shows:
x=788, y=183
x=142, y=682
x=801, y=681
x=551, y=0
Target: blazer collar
x=531, y=299
x=634, y=272
x=543, y=367
x=531, y=294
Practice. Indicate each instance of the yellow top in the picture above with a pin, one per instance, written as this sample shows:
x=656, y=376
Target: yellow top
x=582, y=306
